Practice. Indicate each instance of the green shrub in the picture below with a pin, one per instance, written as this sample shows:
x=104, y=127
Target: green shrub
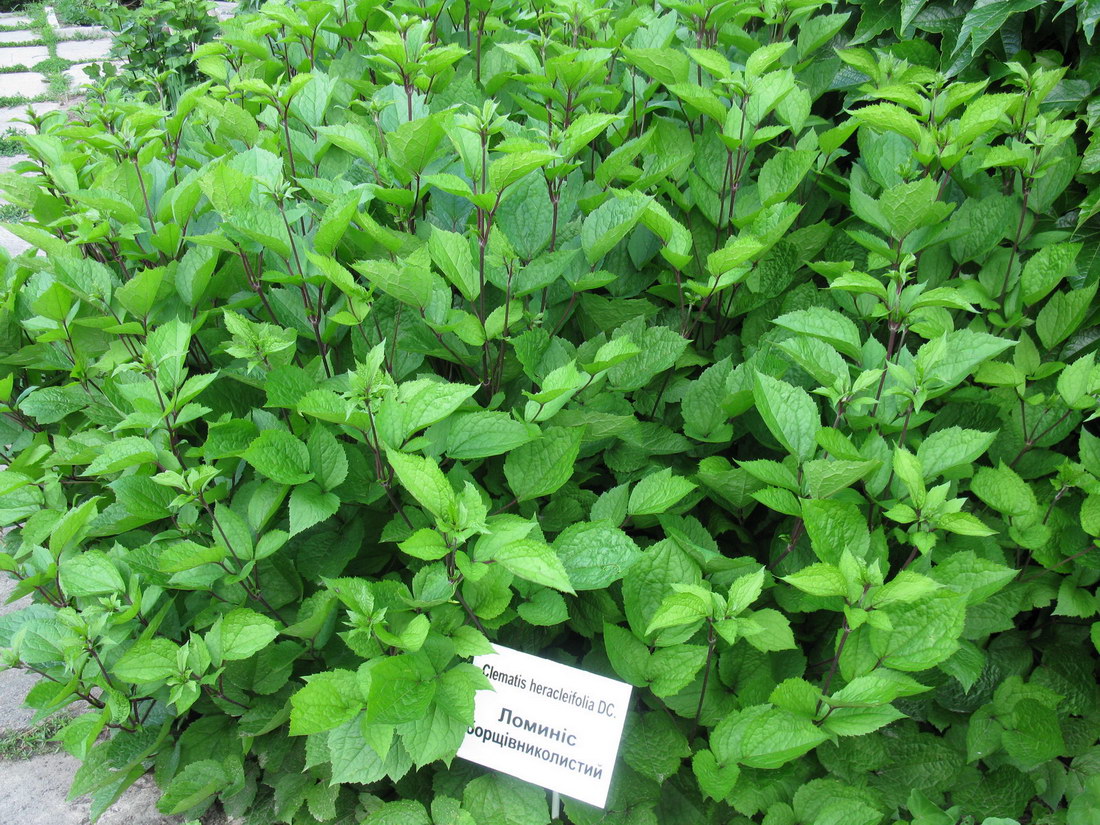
x=155, y=43
x=689, y=345
x=81, y=12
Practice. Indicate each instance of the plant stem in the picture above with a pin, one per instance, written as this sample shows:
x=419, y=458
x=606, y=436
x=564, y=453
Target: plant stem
x=712, y=640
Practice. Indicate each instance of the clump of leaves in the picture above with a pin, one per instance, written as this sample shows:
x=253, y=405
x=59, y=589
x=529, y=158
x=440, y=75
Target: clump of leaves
x=692, y=345
x=154, y=43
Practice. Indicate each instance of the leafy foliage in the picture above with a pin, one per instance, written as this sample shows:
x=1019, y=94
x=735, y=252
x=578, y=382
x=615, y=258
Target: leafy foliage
x=745, y=353
x=154, y=43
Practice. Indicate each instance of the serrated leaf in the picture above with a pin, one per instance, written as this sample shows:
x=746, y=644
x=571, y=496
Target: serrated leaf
x=280, y=456
x=310, y=505
x=789, y=413
x=763, y=736
x=148, y=660
x=657, y=492
x=327, y=700
x=595, y=554
x=535, y=561
x=542, y=466
x=819, y=580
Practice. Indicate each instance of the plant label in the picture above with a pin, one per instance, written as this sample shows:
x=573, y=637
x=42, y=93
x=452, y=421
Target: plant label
x=548, y=724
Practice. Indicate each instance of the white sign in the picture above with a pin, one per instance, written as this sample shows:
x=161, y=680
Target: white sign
x=547, y=723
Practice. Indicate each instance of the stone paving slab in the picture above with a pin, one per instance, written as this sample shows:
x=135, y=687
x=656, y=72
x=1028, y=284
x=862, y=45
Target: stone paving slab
x=76, y=74
x=83, y=49
x=14, y=684
x=82, y=32
x=22, y=36
x=14, y=19
x=10, y=118
x=23, y=56
x=27, y=84
x=7, y=164
x=34, y=791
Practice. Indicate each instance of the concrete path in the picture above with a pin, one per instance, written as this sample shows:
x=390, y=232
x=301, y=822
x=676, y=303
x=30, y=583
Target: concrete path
x=34, y=791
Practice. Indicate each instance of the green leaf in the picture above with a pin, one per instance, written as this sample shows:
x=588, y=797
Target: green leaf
x=646, y=582
x=425, y=482
x=414, y=143
x=310, y=505
x=1076, y=381
x=610, y=223
x=924, y=633
x=583, y=131
x=910, y=206
x=704, y=417
x=876, y=688
x=1090, y=514
x=1003, y=490
x=782, y=173
x=503, y=800
x=744, y=591
x=833, y=527
x=425, y=544
x=860, y=721
x=763, y=736
x=193, y=785
x=401, y=688
x=327, y=700
x=90, y=573
x=399, y=812
x=451, y=253
x=654, y=746
x=118, y=455
x=418, y=404
x=280, y=456
x=982, y=21
x=952, y=357
x=825, y=478
x=677, y=609
x=327, y=459
x=148, y=660
x=545, y=609
x=906, y=586
x=767, y=630
x=187, y=555
x=240, y=633
x=666, y=66
x=335, y=222
x=535, y=561
x=72, y=528
x=972, y=577
x=826, y=324
x=470, y=436
x=1046, y=269
x=506, y=170
x=595, y=554
x=819, y=580
x=715, y=780
x=789, y=413
x=1063, y=314
x=660, y=349
x=1032, y=735
x=657, y=492
x=951, y=447
x=908, y=471
x=887, y=117
x=541, y=467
